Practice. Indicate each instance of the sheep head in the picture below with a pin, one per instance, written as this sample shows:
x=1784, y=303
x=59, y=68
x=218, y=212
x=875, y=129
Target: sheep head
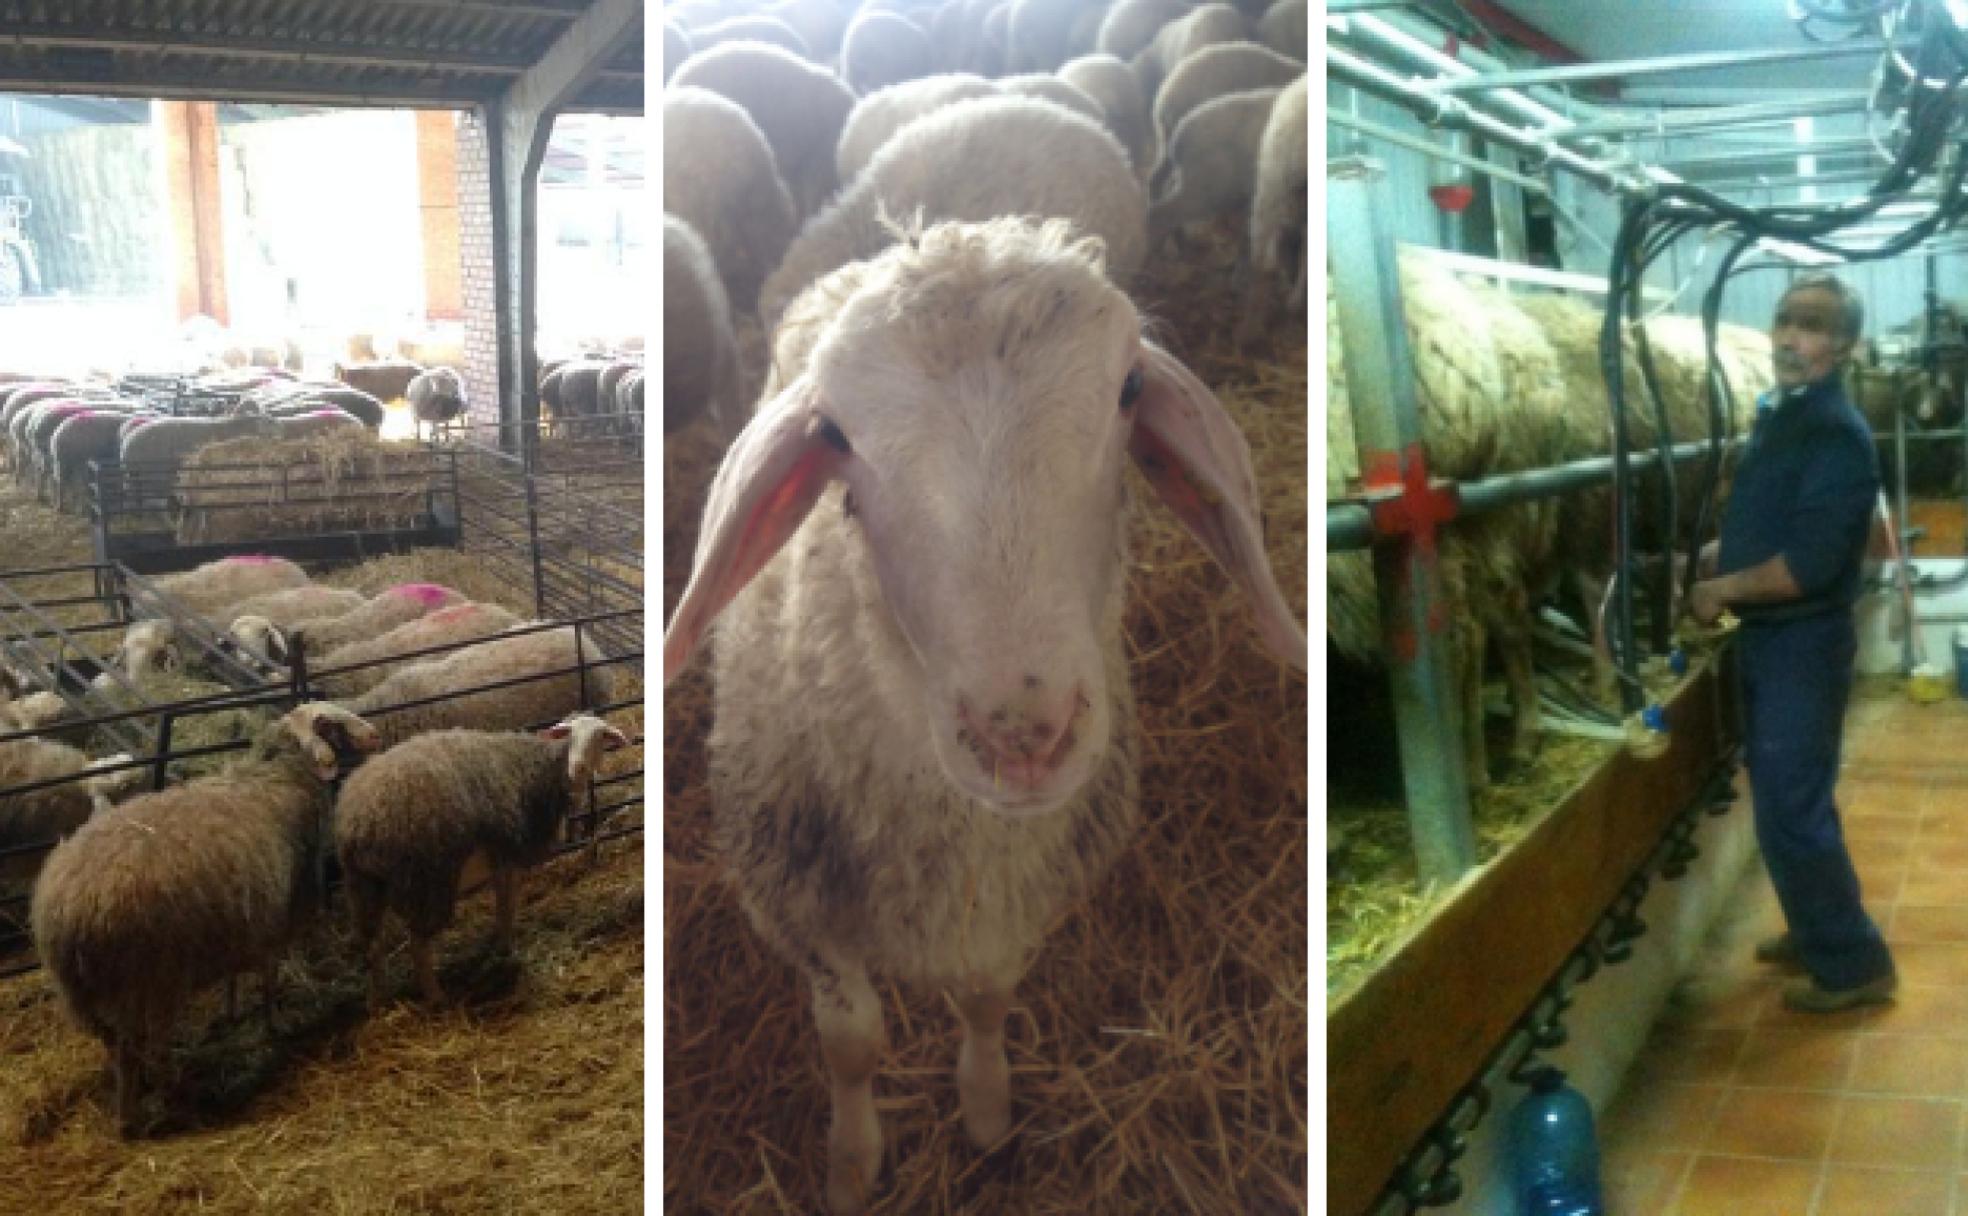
x=979, y=395
x=327, y=733
x=149, y=646
x=262, y=636
x=591, y=737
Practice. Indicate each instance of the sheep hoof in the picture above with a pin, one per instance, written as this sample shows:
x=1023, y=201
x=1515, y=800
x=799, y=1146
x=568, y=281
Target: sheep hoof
x=853, y=1165
x=987, y=1123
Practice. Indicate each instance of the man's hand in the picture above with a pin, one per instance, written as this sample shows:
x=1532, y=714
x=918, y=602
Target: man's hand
x=1705, y=563
x=1705, y=603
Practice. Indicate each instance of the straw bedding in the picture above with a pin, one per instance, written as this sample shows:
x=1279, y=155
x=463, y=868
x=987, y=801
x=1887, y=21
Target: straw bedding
x=1158, y=1046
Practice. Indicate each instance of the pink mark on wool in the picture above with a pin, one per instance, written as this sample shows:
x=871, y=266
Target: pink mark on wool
x=140, y=420
x=91, y=414
x=328, y=413
x=457, y=612
x=423, y=593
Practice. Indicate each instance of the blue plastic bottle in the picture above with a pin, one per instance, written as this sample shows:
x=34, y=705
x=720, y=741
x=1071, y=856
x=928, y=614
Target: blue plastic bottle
x=1554, y=1151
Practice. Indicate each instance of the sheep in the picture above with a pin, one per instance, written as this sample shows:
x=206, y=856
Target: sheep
x=993, y=41
x=700, y=351
x=549, y=653
x=407, y=823
x=719, y=177
x=362, y=406
x=39, y=450
x=313, y=422
x=821, y=23
x=1211, y=163
x=976, y=160
x=881, y=49
x=1039, y=32
x=438, y=345
x=947, y=801
x=1130, y=26
x=1183, y=37
x=386, y=380
x=629, y=400
x=768, y=30
x=577, y=389
x=159, y=447
x=43, y=816
x=799, y=108
x=437, y=396
x=1283, y=29
x=878, y=116
x=453, y=625
x=1278, y=213
x=1051, y=88
x=261, y=614
x=608, y=385
x=91, y=436
x=1230, y=67
x=208, y=589
x=1114, y=87
x=231, y=856
x=366, y=620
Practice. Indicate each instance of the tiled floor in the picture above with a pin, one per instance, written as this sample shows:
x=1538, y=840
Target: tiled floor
x=1738, y=1106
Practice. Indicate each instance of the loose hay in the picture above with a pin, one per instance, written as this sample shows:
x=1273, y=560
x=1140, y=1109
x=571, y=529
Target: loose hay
x=1159, y=1045
x=340, y=480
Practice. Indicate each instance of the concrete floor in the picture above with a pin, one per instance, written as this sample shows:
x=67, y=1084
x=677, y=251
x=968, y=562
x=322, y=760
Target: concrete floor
x=1742, y=1107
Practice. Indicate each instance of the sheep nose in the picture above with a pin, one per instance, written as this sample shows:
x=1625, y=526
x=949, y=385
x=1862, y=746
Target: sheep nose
x=1030, y=722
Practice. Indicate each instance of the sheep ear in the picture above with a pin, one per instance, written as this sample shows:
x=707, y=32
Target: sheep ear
x=276, y=643
x=1198, y=462
x=769, y=480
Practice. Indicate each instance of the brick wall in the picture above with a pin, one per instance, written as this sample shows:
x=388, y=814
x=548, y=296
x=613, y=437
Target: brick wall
x=477, y=256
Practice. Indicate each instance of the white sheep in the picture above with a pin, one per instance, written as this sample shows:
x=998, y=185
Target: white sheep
x=1184, y=36
x=231, y=856
x=799, y=108
x=1052, y=88
x=370, y=620
x=1282, y=28
x=449, y=626
x=31, y=817
x=157, y=448
x=1210, y=165
x=700, y=350
x=881, y=49
x=1278, y=214
x=1117, y=90
x=1041, y=32
x=719, y=177
x=976, y=160
x=88, y=437
x=1130, y=26
x=438, y=396
x=408, y=822
x=876, y=117
x=768, y=30
x=260, y=622
x=207, y=590
x=1228, y=67
x=563, y=687
x=927, y=518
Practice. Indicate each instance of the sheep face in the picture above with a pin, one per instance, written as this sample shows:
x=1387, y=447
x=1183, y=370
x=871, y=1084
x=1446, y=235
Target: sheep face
x=979, y=401
x=261, y=636
x=592, y=737
x=149, y=646
x=327, y=733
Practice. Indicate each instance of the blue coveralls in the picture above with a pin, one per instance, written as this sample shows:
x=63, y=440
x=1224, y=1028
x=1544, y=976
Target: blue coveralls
x=1806, y=488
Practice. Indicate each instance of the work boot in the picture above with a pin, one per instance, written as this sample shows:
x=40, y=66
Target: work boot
x=1778, y=951
x=1807, y=996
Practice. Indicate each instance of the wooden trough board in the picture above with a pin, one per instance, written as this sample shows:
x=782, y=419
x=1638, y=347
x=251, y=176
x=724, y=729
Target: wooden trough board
x=1426, y=1022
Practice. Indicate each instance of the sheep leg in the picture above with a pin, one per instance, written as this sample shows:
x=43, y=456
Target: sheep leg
x=983, y=1072
x=127, y=1065
x=505, y=907
x=366, y=904
x=269, y=977
x=848, y=1016
x=1475, y=753
x=423, y=951
x=1519, y=666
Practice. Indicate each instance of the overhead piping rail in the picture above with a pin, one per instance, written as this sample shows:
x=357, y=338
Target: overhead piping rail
x=1416, y=144
x=1663, y=65
x=1358, y=523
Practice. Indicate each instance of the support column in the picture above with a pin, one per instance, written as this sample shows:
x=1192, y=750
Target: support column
x=437, y=199
x=1386, y=419
x=478, y=264
x=191, y=150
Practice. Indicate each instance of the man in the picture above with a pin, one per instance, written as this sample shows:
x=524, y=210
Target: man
x=1787, y=563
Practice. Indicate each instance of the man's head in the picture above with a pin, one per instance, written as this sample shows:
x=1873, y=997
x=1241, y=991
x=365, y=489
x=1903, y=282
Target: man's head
x=1818, y=323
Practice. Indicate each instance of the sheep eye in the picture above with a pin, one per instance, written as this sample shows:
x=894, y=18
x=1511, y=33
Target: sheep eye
x=1131, y=388
x=833, y=437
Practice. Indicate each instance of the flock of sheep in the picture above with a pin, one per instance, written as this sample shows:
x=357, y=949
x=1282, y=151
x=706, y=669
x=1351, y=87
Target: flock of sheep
x=800, y=136
x=151, y=897
x=933, y=213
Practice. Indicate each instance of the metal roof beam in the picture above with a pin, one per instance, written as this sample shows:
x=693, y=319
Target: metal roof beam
x=304, y=50
x=196, y=87
x=560, y=10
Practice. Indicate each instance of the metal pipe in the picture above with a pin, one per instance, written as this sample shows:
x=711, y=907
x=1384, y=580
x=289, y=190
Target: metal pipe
x=1401, y=139
x=1427, y=34
x=1387, y=423
x=1390, y=37
x=1349, y=524
x=1351, y=69
x=1791, y=151
x=1710, y=117
x=1661, y=65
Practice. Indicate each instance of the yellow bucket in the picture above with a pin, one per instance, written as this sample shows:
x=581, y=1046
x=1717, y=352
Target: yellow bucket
x=1928, y=684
